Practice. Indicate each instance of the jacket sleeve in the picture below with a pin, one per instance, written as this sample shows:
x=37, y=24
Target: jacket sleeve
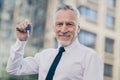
x=17, y=64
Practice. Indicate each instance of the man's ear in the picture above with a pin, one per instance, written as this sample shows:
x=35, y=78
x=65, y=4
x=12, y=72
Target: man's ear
x=78, y=28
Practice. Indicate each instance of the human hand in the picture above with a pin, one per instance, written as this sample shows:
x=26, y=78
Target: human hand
x=21, y=31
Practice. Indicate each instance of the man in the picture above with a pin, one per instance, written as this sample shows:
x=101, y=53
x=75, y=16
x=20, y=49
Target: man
x=76, y=62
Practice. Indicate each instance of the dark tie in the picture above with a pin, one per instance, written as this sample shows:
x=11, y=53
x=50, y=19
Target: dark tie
x=54, y=64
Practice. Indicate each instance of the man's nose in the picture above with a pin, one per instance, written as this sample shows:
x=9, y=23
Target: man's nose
x=64, y=28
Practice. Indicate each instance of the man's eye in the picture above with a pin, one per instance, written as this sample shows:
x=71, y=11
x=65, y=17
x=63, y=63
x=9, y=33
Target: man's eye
x=69, y=24
x=59, y=24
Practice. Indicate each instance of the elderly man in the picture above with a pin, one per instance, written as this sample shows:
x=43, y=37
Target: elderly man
x=70, y=61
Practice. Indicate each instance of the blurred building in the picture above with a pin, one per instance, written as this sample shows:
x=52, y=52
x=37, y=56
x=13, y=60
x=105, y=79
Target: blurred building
x=100, y=29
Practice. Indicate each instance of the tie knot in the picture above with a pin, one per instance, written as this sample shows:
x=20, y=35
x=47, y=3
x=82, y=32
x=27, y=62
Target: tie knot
x=61, y=49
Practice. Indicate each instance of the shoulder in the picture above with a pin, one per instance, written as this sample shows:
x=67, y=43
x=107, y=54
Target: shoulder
x=89, y=54
x=86, y=51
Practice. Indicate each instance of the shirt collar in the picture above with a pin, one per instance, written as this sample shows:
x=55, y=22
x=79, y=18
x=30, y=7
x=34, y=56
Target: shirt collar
x=71, y=46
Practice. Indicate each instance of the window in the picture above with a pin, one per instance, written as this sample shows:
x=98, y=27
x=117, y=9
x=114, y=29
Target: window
x=89, y=13
x=82, y=10
x=110, y=3
x=109, y=45
x=108, y=70
x=109, y=21
x=87, y=38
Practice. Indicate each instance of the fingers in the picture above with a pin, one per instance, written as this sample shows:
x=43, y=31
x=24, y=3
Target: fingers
x=22, y=26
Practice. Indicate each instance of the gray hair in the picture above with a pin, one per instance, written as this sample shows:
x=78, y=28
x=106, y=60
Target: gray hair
x=69, y=7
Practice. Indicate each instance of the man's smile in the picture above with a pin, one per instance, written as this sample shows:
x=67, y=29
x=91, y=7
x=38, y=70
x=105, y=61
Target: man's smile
x=64, y=37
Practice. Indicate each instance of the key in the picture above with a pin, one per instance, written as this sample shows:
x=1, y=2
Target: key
x=28, y=30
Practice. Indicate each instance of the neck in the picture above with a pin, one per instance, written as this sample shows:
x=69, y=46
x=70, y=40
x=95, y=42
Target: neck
x=59, y=45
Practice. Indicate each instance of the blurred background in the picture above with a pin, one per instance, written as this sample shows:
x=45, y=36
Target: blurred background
x=100, y=30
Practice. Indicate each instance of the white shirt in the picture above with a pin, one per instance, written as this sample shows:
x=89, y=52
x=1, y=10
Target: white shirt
x=77, y=63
